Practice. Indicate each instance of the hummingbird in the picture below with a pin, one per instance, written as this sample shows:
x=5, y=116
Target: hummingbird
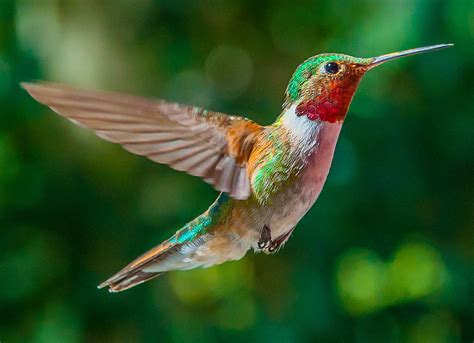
x=268, y=176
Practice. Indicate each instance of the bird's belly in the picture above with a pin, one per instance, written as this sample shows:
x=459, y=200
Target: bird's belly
x=292, y=204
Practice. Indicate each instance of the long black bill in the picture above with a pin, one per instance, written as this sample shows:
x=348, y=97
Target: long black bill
x=394, y=55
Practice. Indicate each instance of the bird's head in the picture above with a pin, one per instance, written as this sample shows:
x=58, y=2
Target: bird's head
x=322, y=87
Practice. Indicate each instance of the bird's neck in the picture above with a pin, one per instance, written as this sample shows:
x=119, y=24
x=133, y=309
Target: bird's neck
x=310, y=140
x=299, y=129
x=325, y=101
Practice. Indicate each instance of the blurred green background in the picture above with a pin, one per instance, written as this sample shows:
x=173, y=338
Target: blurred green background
x=385, y=255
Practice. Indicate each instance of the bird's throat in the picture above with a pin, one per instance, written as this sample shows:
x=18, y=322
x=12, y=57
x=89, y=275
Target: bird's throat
x=321, y=110
x=330, y=105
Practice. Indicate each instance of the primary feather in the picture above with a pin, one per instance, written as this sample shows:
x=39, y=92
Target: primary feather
x=186, y=138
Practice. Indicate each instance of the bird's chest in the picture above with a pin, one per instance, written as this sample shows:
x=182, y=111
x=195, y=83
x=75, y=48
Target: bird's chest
x=290, y=204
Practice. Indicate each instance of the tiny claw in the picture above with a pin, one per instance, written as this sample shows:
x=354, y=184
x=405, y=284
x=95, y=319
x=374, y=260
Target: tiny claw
x=279, y=241
x=265, y=238
x=276, y=244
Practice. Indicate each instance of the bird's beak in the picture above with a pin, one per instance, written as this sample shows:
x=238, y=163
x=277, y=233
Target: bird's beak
x=376, y=61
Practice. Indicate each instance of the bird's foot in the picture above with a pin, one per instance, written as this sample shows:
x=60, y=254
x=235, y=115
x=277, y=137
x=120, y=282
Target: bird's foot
x=265, y=238
x=279, y=242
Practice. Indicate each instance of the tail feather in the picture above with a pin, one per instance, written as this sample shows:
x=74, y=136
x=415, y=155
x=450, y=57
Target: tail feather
x=170, y=255
x=129, y=281
x=134, y=274
x=178, y=252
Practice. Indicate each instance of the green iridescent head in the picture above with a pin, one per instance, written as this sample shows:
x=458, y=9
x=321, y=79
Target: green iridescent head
x=323, y=85
x=321, y=65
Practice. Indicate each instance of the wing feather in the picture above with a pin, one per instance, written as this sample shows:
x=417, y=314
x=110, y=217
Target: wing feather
x=212, y=145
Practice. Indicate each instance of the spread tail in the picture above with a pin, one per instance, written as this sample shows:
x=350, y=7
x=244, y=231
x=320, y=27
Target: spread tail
x=135, y=273
x=178, y=252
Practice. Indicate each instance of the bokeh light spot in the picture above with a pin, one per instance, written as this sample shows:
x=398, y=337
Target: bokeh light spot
x=417, y=270
x=360, y=276
x=365, y=283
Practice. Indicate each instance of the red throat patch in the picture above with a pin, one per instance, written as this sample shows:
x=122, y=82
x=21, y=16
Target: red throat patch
x=322, y=110
x=331, y=105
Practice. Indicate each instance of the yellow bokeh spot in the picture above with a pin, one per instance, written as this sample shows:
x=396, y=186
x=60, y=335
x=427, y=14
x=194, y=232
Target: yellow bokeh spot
x=417, y=270
x=360, y=277
x=365, y=283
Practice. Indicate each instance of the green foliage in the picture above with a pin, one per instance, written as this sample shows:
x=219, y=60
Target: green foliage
x=384, y=256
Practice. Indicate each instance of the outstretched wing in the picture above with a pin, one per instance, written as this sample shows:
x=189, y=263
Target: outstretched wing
x=212, y=145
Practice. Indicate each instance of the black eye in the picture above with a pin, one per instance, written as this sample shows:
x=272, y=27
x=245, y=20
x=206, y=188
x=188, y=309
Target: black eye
x=331, y=68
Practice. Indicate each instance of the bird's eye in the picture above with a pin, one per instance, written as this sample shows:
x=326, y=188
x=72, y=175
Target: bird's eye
x=331, y=68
